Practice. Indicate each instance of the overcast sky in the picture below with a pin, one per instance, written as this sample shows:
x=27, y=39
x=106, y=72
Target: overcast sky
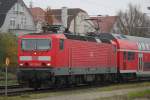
x=93, y=7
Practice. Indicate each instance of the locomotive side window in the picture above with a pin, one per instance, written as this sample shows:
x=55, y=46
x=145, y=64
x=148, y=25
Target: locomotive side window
x=61, y=44
x=131, y=56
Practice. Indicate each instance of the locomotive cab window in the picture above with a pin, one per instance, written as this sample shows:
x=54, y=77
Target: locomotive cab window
x=35, y=44
x=61, y=44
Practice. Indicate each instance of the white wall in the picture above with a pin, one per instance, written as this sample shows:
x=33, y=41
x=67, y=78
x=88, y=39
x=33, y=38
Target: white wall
x=82, y=26
x=18, y=19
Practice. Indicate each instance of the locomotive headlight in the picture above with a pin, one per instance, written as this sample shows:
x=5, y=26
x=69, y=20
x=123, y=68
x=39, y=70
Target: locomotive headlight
x=44, y=58
x=48, y=64
x=21, y=64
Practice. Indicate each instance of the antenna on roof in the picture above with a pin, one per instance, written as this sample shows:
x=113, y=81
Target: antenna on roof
x=31, y=4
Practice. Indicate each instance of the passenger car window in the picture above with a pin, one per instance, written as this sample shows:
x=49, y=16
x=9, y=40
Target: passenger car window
x=143, y=46
x=131, y=56
x=139, y=46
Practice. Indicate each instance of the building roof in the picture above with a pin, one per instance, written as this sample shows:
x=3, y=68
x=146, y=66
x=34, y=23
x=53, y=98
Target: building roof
x=106, y=23
x=38, y=14
x=5, y=6
x=72, y=13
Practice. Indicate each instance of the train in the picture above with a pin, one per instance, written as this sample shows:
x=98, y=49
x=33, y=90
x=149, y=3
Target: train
x=56, y=58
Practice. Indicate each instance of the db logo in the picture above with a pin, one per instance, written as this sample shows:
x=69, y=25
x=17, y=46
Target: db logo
x=91, y=54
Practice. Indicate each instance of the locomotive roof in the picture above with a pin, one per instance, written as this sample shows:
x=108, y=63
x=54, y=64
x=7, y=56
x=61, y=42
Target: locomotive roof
x=67, y=35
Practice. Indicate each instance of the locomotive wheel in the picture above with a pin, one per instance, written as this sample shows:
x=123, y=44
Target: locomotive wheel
x=60, y=82
x=35, y=84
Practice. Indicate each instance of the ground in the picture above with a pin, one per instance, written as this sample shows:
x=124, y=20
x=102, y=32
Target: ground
x=130, y=91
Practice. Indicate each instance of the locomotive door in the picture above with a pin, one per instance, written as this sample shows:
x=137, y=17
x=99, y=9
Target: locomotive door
x=140, y=62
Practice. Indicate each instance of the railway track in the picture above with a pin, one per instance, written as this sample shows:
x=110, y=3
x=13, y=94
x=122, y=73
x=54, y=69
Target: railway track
x=18, y=90
x=14, y=90
x=10, y=87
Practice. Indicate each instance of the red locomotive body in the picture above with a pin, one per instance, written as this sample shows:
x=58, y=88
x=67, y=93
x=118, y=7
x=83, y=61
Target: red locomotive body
x=49, y=56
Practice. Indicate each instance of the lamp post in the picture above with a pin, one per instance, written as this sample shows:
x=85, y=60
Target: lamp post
x=98, y=20
x=7, y=62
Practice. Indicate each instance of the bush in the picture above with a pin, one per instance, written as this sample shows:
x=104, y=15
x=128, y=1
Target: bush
x=8, y=48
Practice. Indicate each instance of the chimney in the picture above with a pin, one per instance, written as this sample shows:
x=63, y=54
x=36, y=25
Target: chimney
x=64, y=16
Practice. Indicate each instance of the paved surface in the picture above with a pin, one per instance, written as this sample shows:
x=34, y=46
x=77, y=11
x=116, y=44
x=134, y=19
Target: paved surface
x=93, y=95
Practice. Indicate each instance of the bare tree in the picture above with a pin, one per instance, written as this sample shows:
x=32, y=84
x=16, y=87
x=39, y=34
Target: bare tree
x=132, y=22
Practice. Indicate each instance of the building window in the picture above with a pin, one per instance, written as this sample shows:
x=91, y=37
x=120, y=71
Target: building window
x=18, y=9
x=12, y=23
x=23, y=21
x=61, y=44
x=148, y=47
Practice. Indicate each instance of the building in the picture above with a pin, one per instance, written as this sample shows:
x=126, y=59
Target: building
x=39, y=17
x=104, y=24
x=145, y=7
x=15, y=17
x=74, y=19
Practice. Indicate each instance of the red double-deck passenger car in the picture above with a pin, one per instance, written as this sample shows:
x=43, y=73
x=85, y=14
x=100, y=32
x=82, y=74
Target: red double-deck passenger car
x=133, y=54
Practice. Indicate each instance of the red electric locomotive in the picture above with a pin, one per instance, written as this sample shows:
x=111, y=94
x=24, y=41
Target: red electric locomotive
x=57, y=58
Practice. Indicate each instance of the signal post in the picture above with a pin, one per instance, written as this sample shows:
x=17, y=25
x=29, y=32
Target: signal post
x=7, y=62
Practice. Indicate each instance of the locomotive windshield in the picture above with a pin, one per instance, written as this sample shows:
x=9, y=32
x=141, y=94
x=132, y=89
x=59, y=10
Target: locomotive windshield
x=36, y=44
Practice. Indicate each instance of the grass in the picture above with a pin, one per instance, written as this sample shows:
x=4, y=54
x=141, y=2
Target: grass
x=10, y=82
x=130, y=96
x=144, y=94
x=140, y=94
x=10, y=75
